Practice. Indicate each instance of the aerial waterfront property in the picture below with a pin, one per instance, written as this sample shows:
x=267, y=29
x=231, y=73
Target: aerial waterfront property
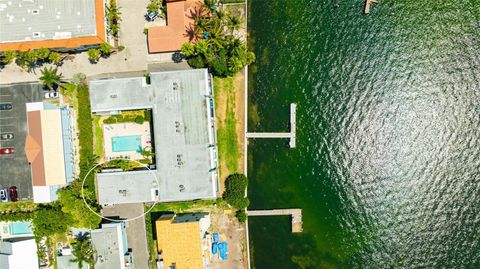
x=182, y=137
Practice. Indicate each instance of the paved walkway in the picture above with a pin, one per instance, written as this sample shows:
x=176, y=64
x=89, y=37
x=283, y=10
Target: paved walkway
x=136, y=230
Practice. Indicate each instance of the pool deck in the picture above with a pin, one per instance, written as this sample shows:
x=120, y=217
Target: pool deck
x=125, y=129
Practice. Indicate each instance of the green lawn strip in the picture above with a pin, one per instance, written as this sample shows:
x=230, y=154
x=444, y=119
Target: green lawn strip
x=151, y=246
x=98, y=136
x=226, y=129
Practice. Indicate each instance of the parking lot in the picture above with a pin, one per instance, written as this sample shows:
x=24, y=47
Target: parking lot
x=14, y=168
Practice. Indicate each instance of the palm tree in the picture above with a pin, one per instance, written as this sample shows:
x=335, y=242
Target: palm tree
x=234, y=22
x=112, y=12
x=208, y=5
x=82, y=250
x=50, y=78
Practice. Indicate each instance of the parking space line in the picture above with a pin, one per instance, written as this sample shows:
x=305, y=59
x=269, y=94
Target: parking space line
x=7, y=118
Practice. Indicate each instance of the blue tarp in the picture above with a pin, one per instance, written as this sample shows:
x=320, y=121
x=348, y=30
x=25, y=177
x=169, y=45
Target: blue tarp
x=215, y=238
x=214, y=248
x=223, y=248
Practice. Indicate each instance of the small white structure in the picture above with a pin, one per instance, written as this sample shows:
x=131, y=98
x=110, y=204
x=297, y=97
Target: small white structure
x=18, y=253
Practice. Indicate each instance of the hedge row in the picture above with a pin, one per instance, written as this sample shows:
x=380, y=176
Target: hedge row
x=18, y=216
x=85, y=138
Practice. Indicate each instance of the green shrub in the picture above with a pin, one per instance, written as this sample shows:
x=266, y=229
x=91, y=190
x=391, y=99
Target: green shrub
x=139, y=120
x=85, y=138
x=120, y=48
x=93, y=55
x=110, y=120
x=235, y=187
x=18, y=216
x=154, y=6
x=105, y=49
x=20, y=206
x=54, y=57
x=148, y=115
x=79, y=78
x=43, y=54
x=241, y=215
x=196, y=62
x=188, y=49
x=8, y=56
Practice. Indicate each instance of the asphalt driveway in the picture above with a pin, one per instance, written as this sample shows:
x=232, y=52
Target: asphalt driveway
x=136, y=230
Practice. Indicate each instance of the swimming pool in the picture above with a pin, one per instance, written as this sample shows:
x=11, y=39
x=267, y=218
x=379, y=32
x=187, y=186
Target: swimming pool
x=127, y=143
x=17, y=228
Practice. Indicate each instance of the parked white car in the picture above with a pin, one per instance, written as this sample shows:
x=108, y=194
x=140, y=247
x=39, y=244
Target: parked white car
x=4, y=195
x=51, y=95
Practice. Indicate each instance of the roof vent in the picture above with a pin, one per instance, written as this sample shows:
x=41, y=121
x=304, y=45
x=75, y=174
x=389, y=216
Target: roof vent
x=36, y=34
x=35, y=11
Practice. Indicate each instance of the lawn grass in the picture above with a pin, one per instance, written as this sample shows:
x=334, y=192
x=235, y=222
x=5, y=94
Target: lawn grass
x=226, y=123
x=98, y=136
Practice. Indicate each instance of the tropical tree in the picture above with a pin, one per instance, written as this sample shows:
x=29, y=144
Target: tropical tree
x=112, y=12
x=234, y=23
x=8, y=56
x=93, y=55
x=27, y=59
x=71, y=200
x=49, y=220
x=209, y=5
x=82, y=250
x=50, y=78
x=235, y=187
x=55, y=57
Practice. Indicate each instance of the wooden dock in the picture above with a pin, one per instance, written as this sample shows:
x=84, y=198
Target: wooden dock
x=367, y=5
x=292, y=135
x=295, y=213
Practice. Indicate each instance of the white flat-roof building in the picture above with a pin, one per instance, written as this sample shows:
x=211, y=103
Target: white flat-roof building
x=18, y=253
x=184, y=136
x=111, y=247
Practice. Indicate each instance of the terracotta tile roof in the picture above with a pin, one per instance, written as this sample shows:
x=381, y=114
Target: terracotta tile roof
x=68, y=42
x=179, y=20
x=33, y=148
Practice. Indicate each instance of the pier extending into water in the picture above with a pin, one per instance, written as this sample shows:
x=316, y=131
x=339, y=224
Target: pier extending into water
x=291, y=135
x=296, y=213
x=367, y=5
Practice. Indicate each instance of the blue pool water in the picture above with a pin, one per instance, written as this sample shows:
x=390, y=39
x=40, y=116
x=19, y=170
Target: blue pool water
x=126, y=143
x=17, y=228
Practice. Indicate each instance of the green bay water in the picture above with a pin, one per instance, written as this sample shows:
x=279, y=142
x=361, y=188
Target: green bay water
x=387, y=164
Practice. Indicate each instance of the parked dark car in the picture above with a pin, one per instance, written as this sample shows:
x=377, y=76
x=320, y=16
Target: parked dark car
x=5, y=106
x=6, y=151
x=6, y=136
x=3, y=195
x=13, y=193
